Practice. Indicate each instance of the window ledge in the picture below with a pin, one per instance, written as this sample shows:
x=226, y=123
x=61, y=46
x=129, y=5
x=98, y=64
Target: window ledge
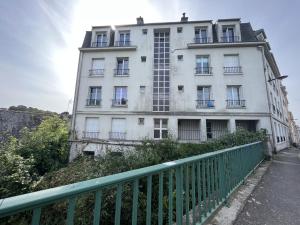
x=93, y=106
x=95, y=76
x=121, y=76
x=236, y=107
x=119, y=106
x=233, y=73
x=203, y=74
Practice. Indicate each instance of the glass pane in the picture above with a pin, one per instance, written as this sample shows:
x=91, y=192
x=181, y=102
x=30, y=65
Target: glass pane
x=156, y=134
x=164, y=123
x=164, y=133
x=156, y=123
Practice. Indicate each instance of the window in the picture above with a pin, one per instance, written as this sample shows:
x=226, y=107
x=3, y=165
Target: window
x=122, y=67
x=143, y=58
x=101, y=40
x=141, y=121
x=179, y=29
x=234, y=97
x=160, y=128
x=180, y=88
x=120, y=96
x=232, y=64
x=118, y=129
x=91, y=128
x=94, y=98
x=97, y=67
x=180, y=57
x=201, y=35
x=145, y=31
x=202, y=65
x=228, y=34
x=142, y=89
x=124, y=38
x=204, y=97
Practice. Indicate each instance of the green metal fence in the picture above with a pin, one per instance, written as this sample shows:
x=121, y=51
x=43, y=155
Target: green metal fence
x=184, y=191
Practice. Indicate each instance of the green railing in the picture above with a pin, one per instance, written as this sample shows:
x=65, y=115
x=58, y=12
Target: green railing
x=184, y=191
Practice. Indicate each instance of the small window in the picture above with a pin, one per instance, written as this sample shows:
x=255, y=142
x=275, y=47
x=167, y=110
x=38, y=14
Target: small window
x=179, y=29
x=180, y=88
x=141, y=121
x=143, y=58
x=142, y=89
x=145, y=31
x=180, y=57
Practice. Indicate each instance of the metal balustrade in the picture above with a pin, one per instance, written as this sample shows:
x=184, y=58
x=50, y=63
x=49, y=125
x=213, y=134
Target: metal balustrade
x=99, y=44
x=90, y=135
x=236, y=103
x=121, y=72
x=205, y=104
x=117, y=135
x=122, y=43
x=119, y=102
x=96, y=72
x=203, y=70
x=230, y=39
x=185, y=191
x=232, y=69
x=93, y=102
x=203, y=40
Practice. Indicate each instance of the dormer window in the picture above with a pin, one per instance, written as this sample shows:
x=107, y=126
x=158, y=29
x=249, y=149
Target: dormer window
x=228, y=33
x=101, y=40
x=124, y=38
x=201, y=35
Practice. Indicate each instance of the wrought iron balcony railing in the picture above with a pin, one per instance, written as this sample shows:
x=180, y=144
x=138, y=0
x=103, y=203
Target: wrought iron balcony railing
x=93, y=72
x=230, y=39
x=203, y=70
x=119, y=102
x=99, y=44
x=205, y=104
x=121, y=72
x=232, y=69
x=90, y=135
x=236, y=103
x=203, y=40
x=93, y=102
x=122, y=43
x=117, y=135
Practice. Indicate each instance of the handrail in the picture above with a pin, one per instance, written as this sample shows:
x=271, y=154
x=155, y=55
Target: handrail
x=36, y=200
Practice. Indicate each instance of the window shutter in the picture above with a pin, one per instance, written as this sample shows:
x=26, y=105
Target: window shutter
x=92, y=124
x=118, y=125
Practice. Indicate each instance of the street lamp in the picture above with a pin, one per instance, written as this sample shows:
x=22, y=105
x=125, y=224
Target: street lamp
x=278, y=78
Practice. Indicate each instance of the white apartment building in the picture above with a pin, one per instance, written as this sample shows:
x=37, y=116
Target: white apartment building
x=193, y=80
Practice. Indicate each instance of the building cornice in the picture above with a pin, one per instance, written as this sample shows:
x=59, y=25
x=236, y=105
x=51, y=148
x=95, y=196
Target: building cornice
x=108, y=49
x=225, y=45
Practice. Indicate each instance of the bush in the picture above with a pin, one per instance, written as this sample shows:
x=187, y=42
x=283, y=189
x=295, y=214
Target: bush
x=148, y=153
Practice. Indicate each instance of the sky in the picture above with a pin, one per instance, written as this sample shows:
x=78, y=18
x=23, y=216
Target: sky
x=39, y=40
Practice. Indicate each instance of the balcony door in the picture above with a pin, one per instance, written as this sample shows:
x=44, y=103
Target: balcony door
x=124, y=38
x=101, y=39
x=118, y=128
x=228, y=34
x=233, y=93
x=120, y=95
x=202, y=64
x=91, y=127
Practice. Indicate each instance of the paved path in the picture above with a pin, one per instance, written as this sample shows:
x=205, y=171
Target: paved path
x=276, y=199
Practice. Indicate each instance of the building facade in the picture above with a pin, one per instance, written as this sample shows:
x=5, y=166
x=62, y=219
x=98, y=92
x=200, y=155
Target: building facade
x=193, y=80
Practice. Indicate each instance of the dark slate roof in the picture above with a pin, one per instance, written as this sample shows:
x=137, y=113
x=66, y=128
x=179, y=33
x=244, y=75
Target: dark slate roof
x=247, y=35
x=87, y=39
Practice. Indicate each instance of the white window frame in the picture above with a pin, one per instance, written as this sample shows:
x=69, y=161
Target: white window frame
x=160, y=128
x=103, y=39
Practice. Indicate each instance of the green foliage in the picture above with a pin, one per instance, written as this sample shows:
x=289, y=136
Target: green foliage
x=23, y=161
x=148, y=153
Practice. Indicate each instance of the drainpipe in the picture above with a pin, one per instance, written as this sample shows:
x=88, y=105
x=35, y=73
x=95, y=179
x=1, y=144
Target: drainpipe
x=262, y=50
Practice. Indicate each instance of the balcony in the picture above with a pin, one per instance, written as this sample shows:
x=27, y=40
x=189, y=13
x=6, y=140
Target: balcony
x=90, y=135
x=122, y=43
x=119, y=102
x=93, y=102
x=232, y=70
x=121, y=72
x=99, y=44
x=203, y=70
x=230, y=39
x=204, y=40
x=236, y=103
x=205, y=104
x=117, y=135
x=96, y=72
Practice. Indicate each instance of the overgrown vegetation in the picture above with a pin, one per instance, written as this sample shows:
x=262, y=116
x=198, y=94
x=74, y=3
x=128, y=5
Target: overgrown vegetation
x=149, y=153
x=25, y=160
x=40, y=170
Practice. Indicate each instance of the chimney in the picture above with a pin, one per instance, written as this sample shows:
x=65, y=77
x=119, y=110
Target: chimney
x=184, y=18
x=139, y=21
